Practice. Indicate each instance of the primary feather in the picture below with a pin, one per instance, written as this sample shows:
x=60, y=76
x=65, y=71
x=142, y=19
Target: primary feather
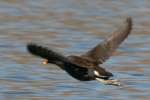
x=104, y=50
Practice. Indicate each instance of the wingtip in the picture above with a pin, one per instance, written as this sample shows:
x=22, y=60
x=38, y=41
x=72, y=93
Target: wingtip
x=129, y=20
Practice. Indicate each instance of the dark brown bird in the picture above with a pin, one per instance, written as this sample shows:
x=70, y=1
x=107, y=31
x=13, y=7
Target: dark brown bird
x=86, y=67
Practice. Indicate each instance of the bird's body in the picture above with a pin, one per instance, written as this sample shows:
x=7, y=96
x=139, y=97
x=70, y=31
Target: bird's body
x=86, y=67
x=91, y=66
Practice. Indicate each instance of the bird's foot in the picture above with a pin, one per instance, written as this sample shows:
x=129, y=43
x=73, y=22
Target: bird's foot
x=110, y=81
x=113, y=82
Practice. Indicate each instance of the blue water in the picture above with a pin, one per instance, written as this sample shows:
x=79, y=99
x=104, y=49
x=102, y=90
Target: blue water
x=72, y=27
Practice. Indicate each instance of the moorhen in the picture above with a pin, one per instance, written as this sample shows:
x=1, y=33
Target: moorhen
x=86, y=67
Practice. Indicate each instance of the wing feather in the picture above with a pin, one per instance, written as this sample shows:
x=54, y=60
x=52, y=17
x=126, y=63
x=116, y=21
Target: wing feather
x=105, y=49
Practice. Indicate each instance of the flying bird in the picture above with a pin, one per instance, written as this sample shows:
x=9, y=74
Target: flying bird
x=86, y=67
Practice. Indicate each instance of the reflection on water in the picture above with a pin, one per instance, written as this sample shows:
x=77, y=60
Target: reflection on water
x=71, y=26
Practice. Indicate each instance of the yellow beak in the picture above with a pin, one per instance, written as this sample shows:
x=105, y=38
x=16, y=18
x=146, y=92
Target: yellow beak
x=45, y=62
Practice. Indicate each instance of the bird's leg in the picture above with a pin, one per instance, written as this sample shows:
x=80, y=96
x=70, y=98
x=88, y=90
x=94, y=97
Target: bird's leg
x=109, y=81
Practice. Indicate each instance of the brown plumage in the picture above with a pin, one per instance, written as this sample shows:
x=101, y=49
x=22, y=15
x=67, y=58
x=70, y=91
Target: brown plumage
x=86, y=67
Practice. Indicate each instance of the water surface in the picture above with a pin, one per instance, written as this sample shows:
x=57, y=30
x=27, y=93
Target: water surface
x=72, y=27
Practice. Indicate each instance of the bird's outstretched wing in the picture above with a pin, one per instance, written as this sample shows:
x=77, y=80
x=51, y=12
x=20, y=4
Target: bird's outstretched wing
x=104, y=50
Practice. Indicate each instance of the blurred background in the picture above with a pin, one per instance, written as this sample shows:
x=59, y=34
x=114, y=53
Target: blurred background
x=72, y=27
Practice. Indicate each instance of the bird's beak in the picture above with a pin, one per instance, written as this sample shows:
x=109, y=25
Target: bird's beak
x=45, y=62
